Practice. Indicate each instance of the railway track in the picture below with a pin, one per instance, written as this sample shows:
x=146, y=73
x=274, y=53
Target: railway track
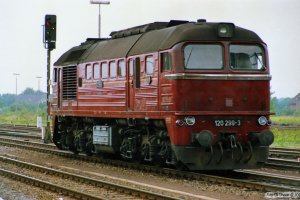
x=19, y=128
x=21, y=131
x=284, y=158
x=242, y=179
x=279, y=163
x=286, y=127
x=74, y=185
x=287, y=153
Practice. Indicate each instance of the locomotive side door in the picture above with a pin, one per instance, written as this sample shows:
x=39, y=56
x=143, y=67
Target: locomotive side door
x=134, y=81
x=130, y=84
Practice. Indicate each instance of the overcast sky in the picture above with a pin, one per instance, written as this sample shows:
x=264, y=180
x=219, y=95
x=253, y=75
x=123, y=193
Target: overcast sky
x=277, y=22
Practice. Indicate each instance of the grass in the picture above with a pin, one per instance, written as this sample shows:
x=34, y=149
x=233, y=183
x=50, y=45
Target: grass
x=286, y=120
x=24, y=118
x=286, y=138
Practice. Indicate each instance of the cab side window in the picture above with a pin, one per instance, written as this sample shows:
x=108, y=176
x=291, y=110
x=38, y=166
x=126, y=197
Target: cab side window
x=88, y=72
x=166, y=61
x=150, y=65
x=121, y=69
x=130, y=66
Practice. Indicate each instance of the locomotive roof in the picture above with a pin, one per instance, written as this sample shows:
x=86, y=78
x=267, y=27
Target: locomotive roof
x=148, y=38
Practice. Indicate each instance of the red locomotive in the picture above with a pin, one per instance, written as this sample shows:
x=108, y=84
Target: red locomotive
x=194, y=94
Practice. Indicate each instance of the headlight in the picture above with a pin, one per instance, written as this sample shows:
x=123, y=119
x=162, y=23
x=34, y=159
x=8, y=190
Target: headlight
x=262, y=120
x=226, y=30
x=190, y=120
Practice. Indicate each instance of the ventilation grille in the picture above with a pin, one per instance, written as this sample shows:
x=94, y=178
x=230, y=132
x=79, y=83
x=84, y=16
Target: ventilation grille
x=69, y=89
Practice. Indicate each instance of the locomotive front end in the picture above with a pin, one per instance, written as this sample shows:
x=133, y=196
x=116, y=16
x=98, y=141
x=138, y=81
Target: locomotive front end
x=222, y=141
x=222, y=98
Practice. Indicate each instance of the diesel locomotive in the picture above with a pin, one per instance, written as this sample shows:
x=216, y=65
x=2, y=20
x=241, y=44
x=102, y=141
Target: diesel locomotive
x=179, y=93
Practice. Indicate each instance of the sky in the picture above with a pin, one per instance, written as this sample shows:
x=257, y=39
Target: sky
x=277, y=22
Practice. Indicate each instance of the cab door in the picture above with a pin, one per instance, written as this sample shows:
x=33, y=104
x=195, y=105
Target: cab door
x=133, y=76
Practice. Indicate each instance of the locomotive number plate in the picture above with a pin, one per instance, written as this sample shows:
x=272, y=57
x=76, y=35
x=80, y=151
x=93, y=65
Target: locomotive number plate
x=227, y=122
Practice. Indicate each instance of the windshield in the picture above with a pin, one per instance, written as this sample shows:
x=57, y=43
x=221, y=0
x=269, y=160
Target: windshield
x=203, y=56
x=246, y=57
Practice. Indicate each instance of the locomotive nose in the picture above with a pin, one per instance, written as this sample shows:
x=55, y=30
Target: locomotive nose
x=264, y=138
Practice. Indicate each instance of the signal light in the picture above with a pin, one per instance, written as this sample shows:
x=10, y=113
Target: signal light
x=50, y=28
x=190, y=120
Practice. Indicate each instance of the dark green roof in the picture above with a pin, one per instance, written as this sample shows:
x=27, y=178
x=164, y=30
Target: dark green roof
x=148, y=38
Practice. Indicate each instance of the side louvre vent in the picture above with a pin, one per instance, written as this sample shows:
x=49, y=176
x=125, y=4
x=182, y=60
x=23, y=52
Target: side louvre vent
x=69, y=89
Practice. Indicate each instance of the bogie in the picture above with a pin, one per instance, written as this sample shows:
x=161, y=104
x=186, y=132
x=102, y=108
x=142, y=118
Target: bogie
x=142, y=142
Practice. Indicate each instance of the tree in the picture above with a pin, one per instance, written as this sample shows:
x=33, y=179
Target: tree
x=7, y=100
x=274, y=102
x=28, y=91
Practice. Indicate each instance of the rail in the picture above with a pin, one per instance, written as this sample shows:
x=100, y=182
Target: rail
x=117, y=188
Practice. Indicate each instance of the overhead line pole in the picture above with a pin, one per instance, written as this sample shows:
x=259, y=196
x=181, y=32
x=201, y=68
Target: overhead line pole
x=38, y=77
x=99, y=2
x=16, y=74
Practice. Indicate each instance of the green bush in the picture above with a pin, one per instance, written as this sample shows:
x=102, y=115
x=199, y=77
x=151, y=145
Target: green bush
x=24, y=108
